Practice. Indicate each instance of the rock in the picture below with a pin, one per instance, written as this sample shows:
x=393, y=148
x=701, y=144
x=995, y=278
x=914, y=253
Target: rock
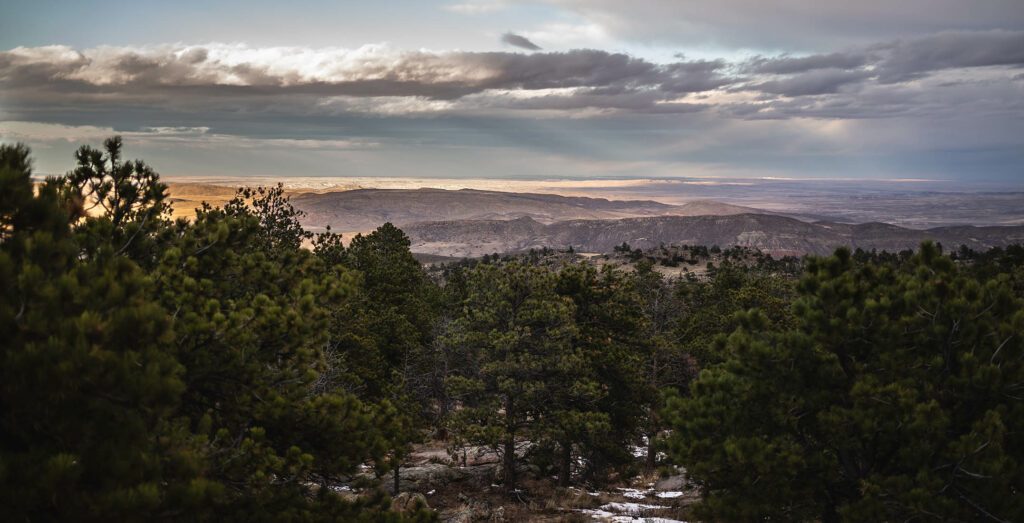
x=406, y=501
x=473, y=456
x=427, y=477
x=671, y=483
x=482, y=474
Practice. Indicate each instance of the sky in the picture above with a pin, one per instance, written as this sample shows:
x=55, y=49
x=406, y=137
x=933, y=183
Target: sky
x=542, y=89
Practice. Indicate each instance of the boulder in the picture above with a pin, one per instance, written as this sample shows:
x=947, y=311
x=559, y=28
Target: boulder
x=673, y=483
x=427, y=477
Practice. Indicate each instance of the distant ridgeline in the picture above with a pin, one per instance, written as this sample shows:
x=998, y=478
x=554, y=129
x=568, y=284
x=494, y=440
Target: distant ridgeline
x=771, y=233
x=237, y=367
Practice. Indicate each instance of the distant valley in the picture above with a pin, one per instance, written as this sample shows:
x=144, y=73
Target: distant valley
x=366, y=209
x=775, y=234
x=471, y=222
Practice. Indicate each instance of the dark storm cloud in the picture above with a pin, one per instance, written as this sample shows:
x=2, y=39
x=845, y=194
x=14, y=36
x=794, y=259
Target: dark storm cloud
x=793, y=65
x=822, y=81
x=694, y=77
x=197, y=76
x=912, y=59
x=519, y=41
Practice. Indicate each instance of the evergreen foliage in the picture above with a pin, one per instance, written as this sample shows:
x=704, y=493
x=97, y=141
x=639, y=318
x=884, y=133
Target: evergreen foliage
x=603, y=424
x=518, y=333
x=235, y=367
x=895, y=396
x=710, y=307
x=157, y=370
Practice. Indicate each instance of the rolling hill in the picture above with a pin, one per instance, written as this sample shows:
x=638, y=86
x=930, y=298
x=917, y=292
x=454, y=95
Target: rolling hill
x=366, y=209
x=771, y=233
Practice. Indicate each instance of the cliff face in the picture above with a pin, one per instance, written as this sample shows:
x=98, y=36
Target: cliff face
x=765, y=232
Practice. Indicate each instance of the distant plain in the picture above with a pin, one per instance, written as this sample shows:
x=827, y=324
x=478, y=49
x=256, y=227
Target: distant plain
x=907, y=203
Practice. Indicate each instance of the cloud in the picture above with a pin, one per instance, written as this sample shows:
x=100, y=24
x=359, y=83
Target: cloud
x=829, y=84
x=519, y=41
x=911, y=59
x=476, y=8
x=376, y=79
x=790, y=25
x=791, y=65
x=815, y=82
x=230, y=74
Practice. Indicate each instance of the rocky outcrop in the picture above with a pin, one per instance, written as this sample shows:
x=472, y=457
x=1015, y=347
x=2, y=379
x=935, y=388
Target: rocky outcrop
x=432, y=476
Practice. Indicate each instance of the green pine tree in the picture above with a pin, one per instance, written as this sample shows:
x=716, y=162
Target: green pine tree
x=896, y=396
x=519, y=335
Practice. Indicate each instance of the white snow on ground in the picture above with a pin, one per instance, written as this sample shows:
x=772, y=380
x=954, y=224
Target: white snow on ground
x=633, y=493
x=631, y=519
x=629, y=509
x=627, y=512
x=670, y=494
x=605, y=515
x=599, y=514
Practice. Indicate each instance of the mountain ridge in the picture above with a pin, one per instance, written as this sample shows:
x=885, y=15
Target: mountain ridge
x=773, y=233
x=365, y=209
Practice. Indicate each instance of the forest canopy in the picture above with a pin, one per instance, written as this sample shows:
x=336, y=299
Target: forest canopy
x=235, y=366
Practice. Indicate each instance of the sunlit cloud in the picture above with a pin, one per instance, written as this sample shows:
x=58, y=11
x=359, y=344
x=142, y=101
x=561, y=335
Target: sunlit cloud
x=477, y=7
x=892, y=102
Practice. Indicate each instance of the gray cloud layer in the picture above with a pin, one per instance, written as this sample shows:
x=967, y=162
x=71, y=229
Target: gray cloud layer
x=791, y=24
x=956, y=89
x=378, y=79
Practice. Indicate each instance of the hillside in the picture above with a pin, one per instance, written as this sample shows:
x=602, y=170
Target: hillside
x=366, y=209
x=766, y=232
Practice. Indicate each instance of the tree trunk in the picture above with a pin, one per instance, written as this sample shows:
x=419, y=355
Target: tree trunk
x=565, y=471
x=652, y=428
x=509, y=464
x=397, y=466
x=509, y=457
x=652, y=455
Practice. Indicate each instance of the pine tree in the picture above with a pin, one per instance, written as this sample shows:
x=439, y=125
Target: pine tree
x=169, y=371
x=602, y=414
x=896, y=396
x=88, y=381
x=666, y=365
x=123, y=203
x=252, y=316
x=518, y=334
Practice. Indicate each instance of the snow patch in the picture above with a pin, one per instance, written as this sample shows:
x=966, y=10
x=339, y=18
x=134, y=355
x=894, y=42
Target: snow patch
x=627, y=512
x=670, y=494
x=633, y=493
